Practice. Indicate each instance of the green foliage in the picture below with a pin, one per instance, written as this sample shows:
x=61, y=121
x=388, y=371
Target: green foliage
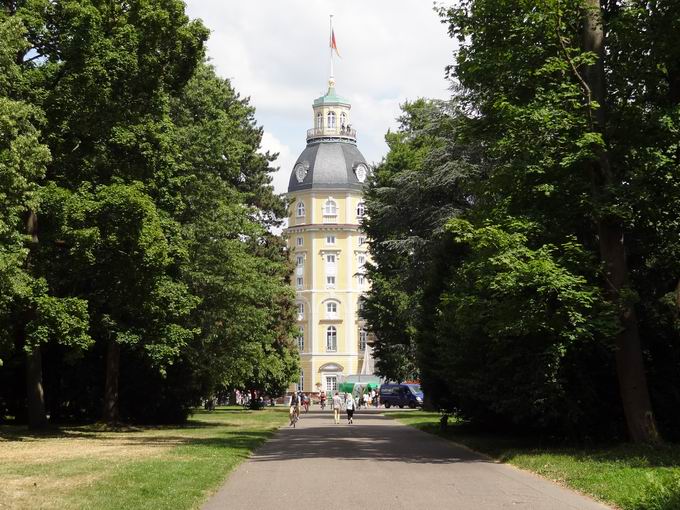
x=507, y=306
x=22, y=164
x=234, y=263
x=62, y=320
x=410, y=196
x=154, y=208
x=496, y=360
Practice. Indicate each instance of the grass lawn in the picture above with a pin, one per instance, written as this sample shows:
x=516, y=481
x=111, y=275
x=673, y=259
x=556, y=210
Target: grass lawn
x=632, y=477
x=138, y=467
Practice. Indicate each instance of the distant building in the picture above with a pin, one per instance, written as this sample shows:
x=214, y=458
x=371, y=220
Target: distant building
x=329, y=248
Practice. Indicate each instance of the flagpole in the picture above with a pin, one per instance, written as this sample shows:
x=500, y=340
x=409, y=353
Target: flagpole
x=330, y=44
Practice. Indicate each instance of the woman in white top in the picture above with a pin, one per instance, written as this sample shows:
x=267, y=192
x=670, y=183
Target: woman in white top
x=337, y=404
x=350, y=405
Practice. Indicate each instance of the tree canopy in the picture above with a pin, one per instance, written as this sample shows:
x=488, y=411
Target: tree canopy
x=136, y=251
x=536, y=244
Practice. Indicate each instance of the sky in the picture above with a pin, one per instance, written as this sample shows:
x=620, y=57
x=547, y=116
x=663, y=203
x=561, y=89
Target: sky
x=276, y=52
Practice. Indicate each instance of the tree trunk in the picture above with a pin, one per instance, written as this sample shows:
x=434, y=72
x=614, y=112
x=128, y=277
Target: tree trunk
x=111, y=411
x=37, y=419
x=35, y=396
x=629, y=362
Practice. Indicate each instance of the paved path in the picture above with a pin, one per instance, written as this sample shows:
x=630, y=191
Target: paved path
x=377, y=464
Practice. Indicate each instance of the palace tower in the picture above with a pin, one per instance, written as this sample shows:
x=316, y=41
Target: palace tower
x=328, y=246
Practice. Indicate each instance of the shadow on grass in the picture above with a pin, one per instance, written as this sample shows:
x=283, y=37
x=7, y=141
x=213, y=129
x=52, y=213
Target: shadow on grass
x=94, y=430
x=672, y=502
x=246, y=440
x=505, y=447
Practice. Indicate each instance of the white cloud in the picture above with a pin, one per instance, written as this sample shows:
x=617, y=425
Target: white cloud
x=277, y=53
x=284, y=162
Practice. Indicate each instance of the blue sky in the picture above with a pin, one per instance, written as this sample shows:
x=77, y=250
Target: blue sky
x=276, y=52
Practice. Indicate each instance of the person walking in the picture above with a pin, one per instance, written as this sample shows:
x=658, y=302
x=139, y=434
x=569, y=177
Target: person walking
x=337, y=404
x=350, y=406
x=294, y=410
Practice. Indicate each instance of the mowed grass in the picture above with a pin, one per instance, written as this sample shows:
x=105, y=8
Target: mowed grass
x=89, y=467
x=631, y=477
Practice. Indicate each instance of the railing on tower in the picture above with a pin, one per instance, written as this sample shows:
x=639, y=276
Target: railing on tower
x=335, y=132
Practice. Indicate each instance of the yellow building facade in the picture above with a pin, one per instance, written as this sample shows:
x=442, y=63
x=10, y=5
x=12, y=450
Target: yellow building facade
x=328, y=247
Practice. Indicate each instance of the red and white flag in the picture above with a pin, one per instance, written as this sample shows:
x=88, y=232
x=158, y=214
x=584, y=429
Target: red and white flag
x=333, y=44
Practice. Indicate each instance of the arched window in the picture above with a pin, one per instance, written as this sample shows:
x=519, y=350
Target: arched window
x=319, y=120
x=301, y=209
x=331, y=310
x=363, y=336
x=331, y=339
x=330, y=208
x=361, y=210
x=343, y=121
x=331, y=120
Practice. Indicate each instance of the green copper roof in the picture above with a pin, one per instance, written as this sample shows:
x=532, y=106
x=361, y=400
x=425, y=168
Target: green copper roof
x=330, y=98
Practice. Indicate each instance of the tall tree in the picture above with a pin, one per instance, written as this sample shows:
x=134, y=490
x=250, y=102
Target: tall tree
x=238, y=267
x=535, y=79
x=550, y=298
x=410, y=196
x=611, y=235
x=103, y=73
x=29, y=311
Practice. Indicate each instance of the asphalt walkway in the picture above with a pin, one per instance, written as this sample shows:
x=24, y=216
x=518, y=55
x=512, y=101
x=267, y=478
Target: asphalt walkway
x=377, y=464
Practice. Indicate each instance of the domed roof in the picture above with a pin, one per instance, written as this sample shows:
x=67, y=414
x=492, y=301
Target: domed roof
x=326, y=165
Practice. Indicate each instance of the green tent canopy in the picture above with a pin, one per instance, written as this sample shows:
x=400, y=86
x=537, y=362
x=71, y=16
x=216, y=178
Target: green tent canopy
x=348, y=387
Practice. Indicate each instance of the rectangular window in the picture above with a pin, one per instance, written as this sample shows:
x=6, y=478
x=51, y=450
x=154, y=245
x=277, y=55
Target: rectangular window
x=331, y=383
x=301, y=382
x=330, y=259
x=362, y=240
x=361, y=279
x=300, y=241
x=300, y=260
x=301, y=339
x=330, y=281
x=299, y=281
x=330, y=239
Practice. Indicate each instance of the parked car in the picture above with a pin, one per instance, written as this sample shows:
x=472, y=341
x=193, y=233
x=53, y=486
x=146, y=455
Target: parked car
x=401, y=395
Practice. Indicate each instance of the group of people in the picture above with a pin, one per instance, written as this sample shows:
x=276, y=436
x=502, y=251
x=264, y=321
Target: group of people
x=348, y=403
x=338, y=403
x=369, y=399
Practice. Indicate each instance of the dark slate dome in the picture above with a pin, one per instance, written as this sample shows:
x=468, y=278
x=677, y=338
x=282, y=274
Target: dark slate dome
x=328, y=165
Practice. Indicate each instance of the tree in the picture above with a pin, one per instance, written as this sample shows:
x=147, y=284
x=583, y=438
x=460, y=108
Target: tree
x=238, y=267
x=541, y=275
x=27, y=307
x=410, y=196
x=155, y=267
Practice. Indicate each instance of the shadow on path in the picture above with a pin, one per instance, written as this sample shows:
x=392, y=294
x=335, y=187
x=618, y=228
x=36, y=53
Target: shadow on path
x=371, y=437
